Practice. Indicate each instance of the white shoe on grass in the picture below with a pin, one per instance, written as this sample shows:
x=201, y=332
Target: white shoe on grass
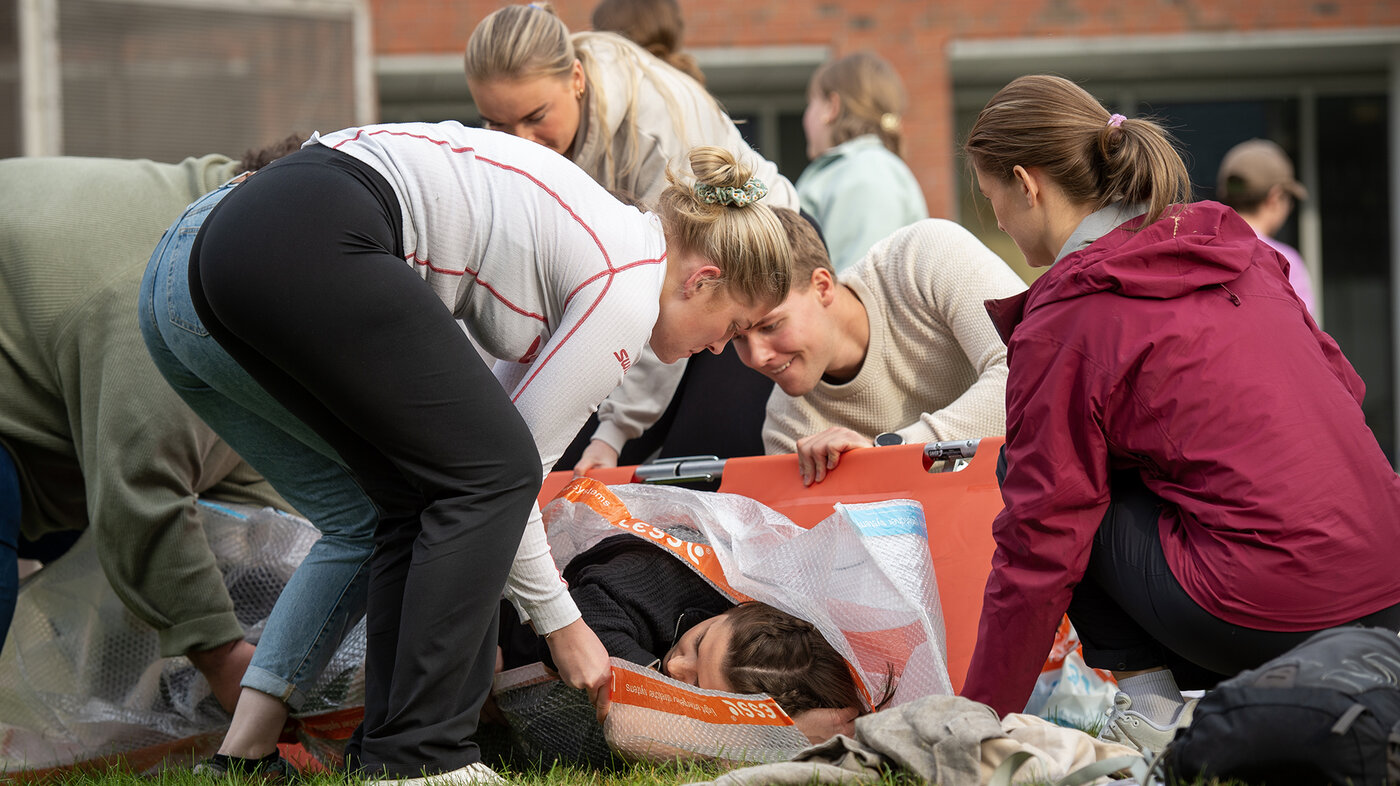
x=1128, y=727
x=475, y=774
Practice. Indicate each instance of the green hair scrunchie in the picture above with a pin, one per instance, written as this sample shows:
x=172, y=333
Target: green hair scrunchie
x=751, y=192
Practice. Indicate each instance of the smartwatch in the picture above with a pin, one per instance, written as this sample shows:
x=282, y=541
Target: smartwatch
x=888, y=438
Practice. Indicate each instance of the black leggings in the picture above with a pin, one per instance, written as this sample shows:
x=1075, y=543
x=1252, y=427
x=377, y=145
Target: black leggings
x=1132, y=614
x=300, y=275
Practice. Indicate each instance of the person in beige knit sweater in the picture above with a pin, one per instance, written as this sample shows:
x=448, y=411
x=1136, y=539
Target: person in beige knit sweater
x=900, y=343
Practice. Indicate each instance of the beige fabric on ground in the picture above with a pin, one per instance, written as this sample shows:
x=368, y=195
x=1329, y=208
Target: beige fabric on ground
x=946, y=740
x=1064, y=749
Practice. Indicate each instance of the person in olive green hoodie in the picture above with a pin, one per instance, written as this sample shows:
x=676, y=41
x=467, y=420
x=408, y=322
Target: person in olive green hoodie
x=91, y=436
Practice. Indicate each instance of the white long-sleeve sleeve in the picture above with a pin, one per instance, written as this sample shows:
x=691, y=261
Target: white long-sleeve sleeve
x=548, y=272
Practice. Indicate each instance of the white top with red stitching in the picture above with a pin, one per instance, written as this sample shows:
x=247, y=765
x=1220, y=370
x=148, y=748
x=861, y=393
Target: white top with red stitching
x=550, y=274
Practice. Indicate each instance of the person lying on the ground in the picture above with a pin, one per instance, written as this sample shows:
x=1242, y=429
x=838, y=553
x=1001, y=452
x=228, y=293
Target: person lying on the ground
x=649, y=608
x=99, y=441
x=899, y=344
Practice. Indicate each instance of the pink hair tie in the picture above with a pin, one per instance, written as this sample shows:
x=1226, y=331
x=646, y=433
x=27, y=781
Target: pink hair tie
x=1115, y=121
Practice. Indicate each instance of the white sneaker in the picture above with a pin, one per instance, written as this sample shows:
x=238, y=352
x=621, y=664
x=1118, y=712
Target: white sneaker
x=1126, y=727
x=476, y=774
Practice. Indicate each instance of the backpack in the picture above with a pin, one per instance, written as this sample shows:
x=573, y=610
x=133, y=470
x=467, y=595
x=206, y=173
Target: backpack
x=1327, y=711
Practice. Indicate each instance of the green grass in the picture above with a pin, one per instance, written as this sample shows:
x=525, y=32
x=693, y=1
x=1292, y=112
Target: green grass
x=557, y=775
x=634, y=775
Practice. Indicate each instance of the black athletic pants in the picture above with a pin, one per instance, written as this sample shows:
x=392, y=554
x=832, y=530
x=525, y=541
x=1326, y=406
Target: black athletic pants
x=1131, y=613
x=300, y=275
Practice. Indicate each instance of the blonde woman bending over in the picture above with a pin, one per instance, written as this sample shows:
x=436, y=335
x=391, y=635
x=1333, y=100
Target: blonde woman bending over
x=622, y=115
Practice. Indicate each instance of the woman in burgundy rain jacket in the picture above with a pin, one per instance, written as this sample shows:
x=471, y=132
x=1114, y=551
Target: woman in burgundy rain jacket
x=1187, y=469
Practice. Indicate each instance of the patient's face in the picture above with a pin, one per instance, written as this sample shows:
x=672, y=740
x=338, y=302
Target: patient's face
x=698, y=655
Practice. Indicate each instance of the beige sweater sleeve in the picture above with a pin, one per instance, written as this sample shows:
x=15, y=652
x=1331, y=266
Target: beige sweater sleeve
x=951, y=276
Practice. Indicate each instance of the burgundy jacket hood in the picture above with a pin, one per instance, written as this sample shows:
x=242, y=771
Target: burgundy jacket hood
x=1198, y=245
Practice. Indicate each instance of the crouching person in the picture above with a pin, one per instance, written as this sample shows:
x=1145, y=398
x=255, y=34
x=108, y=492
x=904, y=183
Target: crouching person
x=92, y=439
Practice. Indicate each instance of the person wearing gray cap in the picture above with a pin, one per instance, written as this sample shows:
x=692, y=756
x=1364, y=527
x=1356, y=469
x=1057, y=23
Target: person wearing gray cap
x=1256, y=179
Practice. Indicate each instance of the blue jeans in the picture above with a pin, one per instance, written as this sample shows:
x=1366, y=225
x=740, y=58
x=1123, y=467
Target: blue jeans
x=9, y=541
x=326, y=595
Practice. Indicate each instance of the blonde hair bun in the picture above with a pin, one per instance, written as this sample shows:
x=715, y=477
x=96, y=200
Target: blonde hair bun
x=749, y=245
x=718, y=167
x=720, y=179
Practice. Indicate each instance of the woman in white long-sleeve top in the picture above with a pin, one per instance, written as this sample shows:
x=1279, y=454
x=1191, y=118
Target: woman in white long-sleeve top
x=307, y=314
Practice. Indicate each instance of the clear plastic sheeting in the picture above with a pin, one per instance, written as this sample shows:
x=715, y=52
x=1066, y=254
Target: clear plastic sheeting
x=658, y=718
x=1068, y=691
x=862, y=576
x=82, y=680
x=549, y=721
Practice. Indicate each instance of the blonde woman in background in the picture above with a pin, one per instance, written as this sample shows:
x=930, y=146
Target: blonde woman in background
x=604, y=102
x=624, y=117
x=655, y=25
x=857, y=186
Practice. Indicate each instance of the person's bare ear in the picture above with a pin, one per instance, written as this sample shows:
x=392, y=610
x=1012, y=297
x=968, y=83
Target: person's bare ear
x=1028, y=181
x=824, y=284
x=833, y=108
x=703, y=277
x=576, y=79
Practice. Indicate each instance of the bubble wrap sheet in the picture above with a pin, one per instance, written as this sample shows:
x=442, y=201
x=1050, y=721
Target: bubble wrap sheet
x=862, y=576
x=653, y=718
x=81, y=679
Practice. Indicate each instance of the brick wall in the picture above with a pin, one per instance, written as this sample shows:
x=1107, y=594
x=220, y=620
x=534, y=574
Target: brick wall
x=912, y=34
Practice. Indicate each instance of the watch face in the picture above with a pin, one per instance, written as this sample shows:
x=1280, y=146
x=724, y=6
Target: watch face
x=889, y=438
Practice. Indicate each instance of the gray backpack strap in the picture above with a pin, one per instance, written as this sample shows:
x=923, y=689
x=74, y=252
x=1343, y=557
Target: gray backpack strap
x=1392, y=754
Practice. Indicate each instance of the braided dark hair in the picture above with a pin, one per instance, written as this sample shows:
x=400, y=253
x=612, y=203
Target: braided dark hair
x=773, y=652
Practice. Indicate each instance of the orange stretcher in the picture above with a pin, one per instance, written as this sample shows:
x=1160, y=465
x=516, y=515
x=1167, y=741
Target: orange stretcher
x=958, y=506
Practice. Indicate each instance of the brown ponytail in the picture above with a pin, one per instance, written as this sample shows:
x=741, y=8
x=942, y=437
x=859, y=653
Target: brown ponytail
x=655, y=25
x=1095, y=157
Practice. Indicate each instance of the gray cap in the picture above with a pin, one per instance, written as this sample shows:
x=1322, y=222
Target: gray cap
x=1251, y=168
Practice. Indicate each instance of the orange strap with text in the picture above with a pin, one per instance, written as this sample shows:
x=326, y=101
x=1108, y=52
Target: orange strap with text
x=641, y=690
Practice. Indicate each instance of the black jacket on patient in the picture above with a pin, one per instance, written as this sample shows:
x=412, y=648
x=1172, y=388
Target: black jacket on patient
x=636, y=597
